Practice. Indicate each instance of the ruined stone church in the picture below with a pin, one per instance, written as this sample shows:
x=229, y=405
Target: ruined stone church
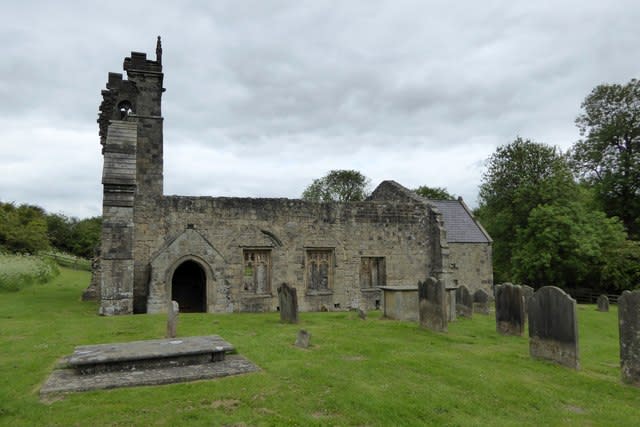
x=228, y=254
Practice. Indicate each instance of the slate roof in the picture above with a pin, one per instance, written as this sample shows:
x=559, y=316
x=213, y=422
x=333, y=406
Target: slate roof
x=459, y=222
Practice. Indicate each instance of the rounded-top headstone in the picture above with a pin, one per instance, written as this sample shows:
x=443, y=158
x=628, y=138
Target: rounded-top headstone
x=603, y=303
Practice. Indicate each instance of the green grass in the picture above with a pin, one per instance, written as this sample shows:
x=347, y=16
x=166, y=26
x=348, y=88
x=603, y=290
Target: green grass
x=372, y=372
x=19, y=271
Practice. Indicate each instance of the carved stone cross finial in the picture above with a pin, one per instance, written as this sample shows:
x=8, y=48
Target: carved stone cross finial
x=159, y=51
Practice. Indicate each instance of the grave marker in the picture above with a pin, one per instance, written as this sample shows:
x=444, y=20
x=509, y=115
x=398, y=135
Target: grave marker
x=288, y=300
x=432, y=305
x=553, y=327
x=603, y=303
x=172, y=319
x=509, y=309
x=629, y=326
x=481, y=301
x=464, y=302
x=303, y=339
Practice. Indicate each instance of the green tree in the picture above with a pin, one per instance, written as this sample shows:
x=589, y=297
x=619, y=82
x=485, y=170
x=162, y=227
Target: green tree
x=86, y=236
x=338, y=186
x=568, y=245
x=60, y=231
x=608, y=157
x=434, y=193
x=519, y=177
x=23, y=229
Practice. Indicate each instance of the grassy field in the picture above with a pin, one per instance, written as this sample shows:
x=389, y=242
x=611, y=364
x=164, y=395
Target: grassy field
x=372, y=372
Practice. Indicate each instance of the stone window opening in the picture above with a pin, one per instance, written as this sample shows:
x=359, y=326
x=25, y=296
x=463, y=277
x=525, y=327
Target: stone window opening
x=373, y=272
x=125, y=108
x=319, y=270
x=256, y=275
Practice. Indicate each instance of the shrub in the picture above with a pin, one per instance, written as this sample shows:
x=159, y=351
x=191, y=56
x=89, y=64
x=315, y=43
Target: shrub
x=20, y=271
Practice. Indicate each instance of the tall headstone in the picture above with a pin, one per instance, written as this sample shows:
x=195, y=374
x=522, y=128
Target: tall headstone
x=464, y=302
x=451, y=303
x=629, y=324
x=432, y=305
x=510, y=318
x=603, y=303
x=553, y=327
x=481, y=301
x=288, y=300
x=172, y=319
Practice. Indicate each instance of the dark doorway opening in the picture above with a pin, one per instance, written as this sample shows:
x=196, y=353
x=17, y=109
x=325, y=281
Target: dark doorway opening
x=189, y=287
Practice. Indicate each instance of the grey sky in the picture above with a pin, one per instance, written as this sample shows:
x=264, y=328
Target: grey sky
x=264, y=96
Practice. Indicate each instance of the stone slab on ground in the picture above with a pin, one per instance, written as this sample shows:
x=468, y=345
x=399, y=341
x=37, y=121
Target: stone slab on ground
x=67, y=380
x=150, y=349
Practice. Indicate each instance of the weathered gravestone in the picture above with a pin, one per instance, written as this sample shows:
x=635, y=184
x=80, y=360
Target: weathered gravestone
x=509, y=309
x=400, y=302
x=172, y=319
x=481, y=301
x=362, y=314
x=629, y=325
x=603, y=303
x=553, y=327
x=303, y=339
x=464, y=302
x=451, y=302
x=288, y=300
x=527, y=293
x=432, y=305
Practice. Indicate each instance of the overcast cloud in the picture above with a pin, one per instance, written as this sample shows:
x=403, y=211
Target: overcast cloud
x=264, y=96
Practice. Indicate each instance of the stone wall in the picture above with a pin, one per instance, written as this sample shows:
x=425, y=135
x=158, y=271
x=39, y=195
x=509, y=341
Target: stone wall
x=288, y=230
x=471, y=265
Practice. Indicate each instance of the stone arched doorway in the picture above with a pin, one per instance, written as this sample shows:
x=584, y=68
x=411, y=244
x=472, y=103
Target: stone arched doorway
x=189, y=287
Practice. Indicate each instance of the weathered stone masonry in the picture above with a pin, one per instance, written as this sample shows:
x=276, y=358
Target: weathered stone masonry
x=220, y=254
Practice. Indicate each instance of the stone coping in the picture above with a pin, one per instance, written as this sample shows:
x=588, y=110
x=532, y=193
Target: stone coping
x=399, y=288
x=149, y=349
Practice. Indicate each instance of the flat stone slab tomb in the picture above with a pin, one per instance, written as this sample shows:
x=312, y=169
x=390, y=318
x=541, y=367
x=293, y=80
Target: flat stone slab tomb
x=151, y=362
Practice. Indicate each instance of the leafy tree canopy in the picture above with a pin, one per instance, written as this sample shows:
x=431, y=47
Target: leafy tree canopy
x=23, y=229
x=30, y=229
x=434, y=193
x=519, y=177
x=338, y=186
x=569, y=245
x=547, y=229
x=608, y=157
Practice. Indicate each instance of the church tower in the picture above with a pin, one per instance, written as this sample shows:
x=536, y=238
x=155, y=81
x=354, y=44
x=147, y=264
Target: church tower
x=130, y=122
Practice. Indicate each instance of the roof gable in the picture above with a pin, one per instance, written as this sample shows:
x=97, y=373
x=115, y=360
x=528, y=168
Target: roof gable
x=460, y=224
